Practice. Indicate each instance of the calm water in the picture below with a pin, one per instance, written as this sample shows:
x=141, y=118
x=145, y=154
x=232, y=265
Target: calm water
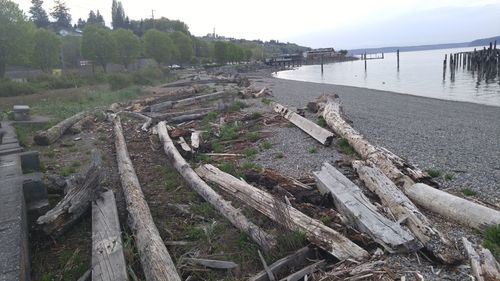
x=420, y=73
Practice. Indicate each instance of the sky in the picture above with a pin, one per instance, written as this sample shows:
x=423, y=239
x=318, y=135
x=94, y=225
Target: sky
x=317, y=23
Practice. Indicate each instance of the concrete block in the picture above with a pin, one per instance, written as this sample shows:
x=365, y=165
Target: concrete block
x=34, y=189
x=21, y=112
x=30, y=161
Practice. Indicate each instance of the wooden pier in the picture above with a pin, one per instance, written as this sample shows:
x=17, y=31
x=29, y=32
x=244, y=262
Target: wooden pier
x=286, y=60
x=484, y=63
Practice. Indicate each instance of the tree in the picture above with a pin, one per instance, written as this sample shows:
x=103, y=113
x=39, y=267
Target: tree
x=71, y=51
x=98, y=45
x=118, y=15
x=99, y=19
x=15, y=36
x=92, y=19
x=38, y=14
x=80, y=23
x=61, y=14
x=158, y=45
x=184, y=47
x=128, y=46
x=46, y=49
x=220, y=53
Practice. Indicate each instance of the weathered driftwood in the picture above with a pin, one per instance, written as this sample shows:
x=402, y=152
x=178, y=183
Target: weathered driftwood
x=299, y=275
x=361, y=213
x=285, y=264
x=475, y=260
x=404, y=210
x=82, y=190
x=182, y=142
x=424, y=195
x=82, y=124
x=453, y=207
x=261, y=93
x=200, y=82
x=108, y=261
x=157, y=117
x=147, y=120
x=155, y=259
x=314, y=130
x=188, y=101
x=195, y=139
x=218, y=264
x=55, y=132
x=234, y=215
x=86, y=276
x=489, y=265
x=323, y=236
x=269, y=273
x=188, y=117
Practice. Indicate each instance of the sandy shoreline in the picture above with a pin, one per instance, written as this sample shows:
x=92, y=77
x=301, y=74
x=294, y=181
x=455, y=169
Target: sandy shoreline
x=457, y=138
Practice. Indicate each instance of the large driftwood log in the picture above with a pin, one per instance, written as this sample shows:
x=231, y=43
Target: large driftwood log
x=460, y=210
x=157, y=117
x=81, y=191
x=323, y=236
x=188, y=101
x=155, y=259
x=490, y=266
x=235, y=216
x=201, y=82
x=453, y=207
x=404, y=210
x=314, y=130
x=331, y=110
x=147, y=120
x=55, y=132
x=361, y=213
x=285, y=264
x=108, y=261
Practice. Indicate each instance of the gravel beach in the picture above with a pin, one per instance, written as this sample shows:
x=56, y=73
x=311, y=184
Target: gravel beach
x=460, y=140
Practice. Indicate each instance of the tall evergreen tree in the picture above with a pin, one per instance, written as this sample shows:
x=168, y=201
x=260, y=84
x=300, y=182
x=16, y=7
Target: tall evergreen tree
x=61, y=14
x=92, y=19
x=118, y=15
x=100, y=19
x=38, y=14
x=80, y=23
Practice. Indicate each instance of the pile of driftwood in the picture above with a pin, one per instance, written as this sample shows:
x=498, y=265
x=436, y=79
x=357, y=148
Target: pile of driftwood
x=401, y=187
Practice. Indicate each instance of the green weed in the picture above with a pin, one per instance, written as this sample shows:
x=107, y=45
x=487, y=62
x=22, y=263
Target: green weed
x=491, y=241
x=345, y=147
x=434, y=173
x=468, y=191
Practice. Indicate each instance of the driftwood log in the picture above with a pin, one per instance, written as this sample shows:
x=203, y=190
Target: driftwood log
x=188, y=101
x=314, y=130
x=155, y=259
x=82, y=189
x=405, y=211
x=285, y=264
x=447, y=205
x=51, y=135
x=195, y=139
x=361, y=213
x=201, y=82
x=234, y=215
x=147, y=120
x=108, y=261
x=316, y=232
x=475, y=260
x=218, y=264
x=157, y=117
x=302, y=273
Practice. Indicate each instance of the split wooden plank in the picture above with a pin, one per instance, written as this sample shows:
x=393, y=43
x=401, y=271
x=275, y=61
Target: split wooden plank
x=51, y=135
x=453, y=207
x=234, y=215
x=316, y=232
x=285, y=264
x=155, y=259
x=218, y=264
x=322, y=135
x=82, y=190
x=404, y=210
x=108, y=261
x=350, y=202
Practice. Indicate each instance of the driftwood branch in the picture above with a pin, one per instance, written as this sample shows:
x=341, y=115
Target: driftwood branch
x=285, y=264
x=155, y=259
x=55, y=132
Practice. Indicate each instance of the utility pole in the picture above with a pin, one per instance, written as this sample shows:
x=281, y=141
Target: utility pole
x=153, y=17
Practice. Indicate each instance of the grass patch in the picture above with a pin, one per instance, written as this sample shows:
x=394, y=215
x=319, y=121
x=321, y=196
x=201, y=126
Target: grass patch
x=279, y=155
x=434, y=173
x=467, y=191
x=210, y=117
x=448, y=177
x=25, y=133
x=250, y=152
x=256, y=115
x=236, y=106
x=267, y=145
x=291, y=241
x=229, y=132
x=203, y=209
x=250, y=166
x=230, y=168
x=345, y=147
x=252, y=136
x=313, y=150
x=491, y=241
x=76, y=164
x=66, y=171
x=326, y=220
x=266, y=101
x=217, y=147
x=321, y=122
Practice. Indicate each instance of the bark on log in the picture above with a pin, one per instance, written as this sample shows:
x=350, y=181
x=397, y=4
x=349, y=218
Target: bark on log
x=319, y=234
x=332, y=112
x=54, y=133
x=83, y=189
x=188, y=101
x=314, y=130
x=82, y=124
x=453, y=207
x=403, y=209
x=155, y=259
x=108, y=261
x=361, y=213
x=285, y=264
x=234, y=215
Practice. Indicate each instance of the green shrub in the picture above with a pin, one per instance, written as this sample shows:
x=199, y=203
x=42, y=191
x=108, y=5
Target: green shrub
x=313, y=150
x=147, y=75
x=118, y=81
x=491, y=241
x=9, y=88
x=229, y=132
x=250, y=152
x=345, y=147
x=468, y=191
x=434, y=173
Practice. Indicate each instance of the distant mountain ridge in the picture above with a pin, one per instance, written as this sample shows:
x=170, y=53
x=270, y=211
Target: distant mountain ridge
x=477, y=42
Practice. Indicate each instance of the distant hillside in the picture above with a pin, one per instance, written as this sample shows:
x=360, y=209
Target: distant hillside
x=478, y=42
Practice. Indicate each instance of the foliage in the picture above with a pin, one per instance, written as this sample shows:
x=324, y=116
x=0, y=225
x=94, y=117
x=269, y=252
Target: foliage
x=491, y=241
x=158, y=45
x=15, y=36
x=220, y=52
x=119, y=81
x=61, y=14
x=147, y=75
x=228, y=52
x=118, y=18
x=312, y=150
x=95, y=18
x=38, y=14
x=98, y=45
x=46, y=50
x=184, y=47
x=345, y=147
x=128, y=46
x=9, y=88
x=71, y=50
x=434, y=173
x=468, y=191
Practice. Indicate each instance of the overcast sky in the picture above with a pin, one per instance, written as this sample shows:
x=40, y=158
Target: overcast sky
x=317, y=23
